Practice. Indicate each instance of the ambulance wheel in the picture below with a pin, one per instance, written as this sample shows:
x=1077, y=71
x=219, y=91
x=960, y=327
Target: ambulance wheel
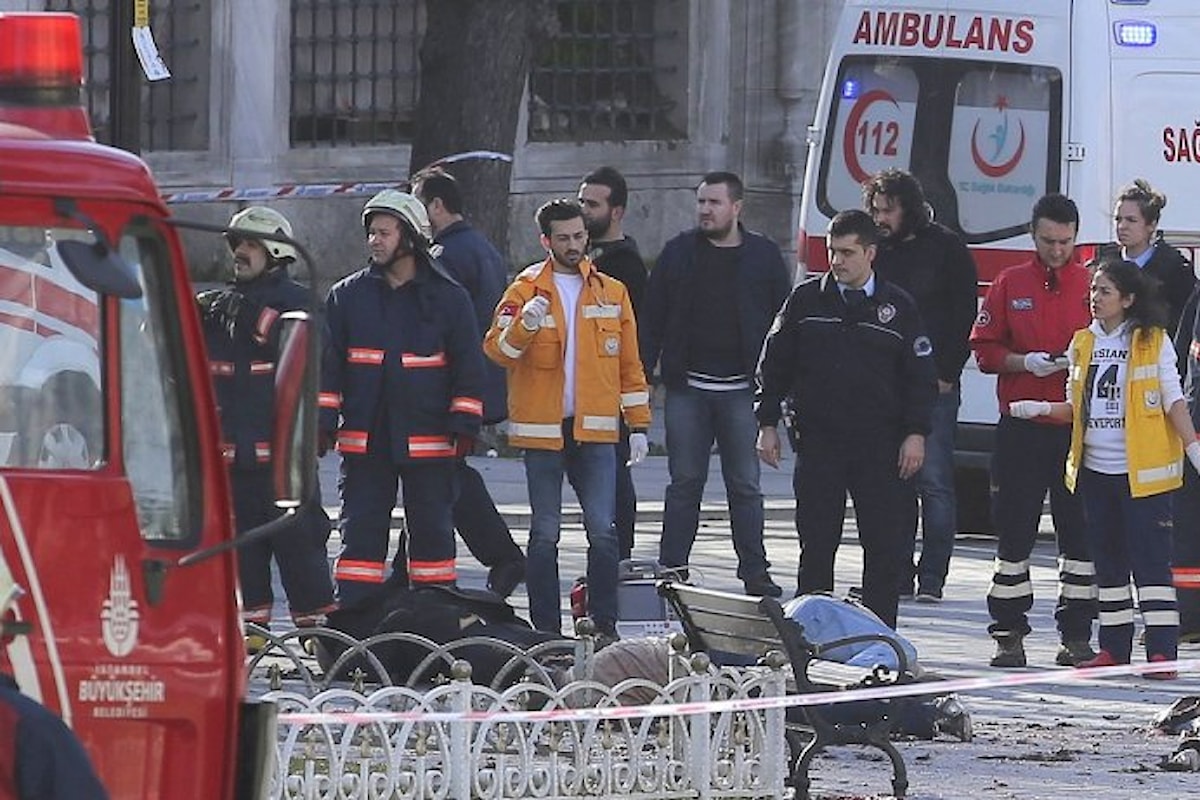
x=68, y=433
x=972, y=489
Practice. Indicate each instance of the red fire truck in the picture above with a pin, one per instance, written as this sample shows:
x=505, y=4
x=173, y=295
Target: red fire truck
x=115, y=515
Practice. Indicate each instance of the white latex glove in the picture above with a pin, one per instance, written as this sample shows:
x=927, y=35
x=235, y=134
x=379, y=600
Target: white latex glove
x=639, y=448
x=1192, y=451
x=534, y=311
x=1042, y=364
x=1028, y=409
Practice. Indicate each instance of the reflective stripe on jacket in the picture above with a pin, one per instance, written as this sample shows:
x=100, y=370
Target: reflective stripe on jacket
x=608, y=371
x=1152, y=450
x=402, y=369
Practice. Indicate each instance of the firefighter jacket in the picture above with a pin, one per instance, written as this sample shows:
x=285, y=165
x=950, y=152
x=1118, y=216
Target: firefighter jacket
x=40, y=759
x=1153, y=452
x=402, y=368
x=242, y=334
x=608, y=371
x=1030, y=308
x=865, y=371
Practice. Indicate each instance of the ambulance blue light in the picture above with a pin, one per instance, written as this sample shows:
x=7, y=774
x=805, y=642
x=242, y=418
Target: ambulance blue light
x=849, y=89
x=1135, y=34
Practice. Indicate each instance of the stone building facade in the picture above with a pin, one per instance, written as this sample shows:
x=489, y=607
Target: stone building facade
x=266, y=93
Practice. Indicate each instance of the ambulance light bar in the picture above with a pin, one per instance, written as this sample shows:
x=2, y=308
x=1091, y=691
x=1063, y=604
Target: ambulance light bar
x=1132, y=33
x=40, y=51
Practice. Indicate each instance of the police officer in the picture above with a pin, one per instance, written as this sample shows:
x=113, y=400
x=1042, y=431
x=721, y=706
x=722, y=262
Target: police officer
x=241, y=328
x=848, y=353
x=401, y=393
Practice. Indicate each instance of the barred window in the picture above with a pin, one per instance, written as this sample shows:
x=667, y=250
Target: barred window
x=174, y=112
x=612, y=70
x=354, y=71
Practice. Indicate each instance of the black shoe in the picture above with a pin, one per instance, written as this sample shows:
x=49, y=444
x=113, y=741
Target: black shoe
x=605, y=635
x=951, y=718
x=1010, y=651
x=504, y=578
x=929, y=595
x=1073, y=653
x=676, y=574
x=762, y=586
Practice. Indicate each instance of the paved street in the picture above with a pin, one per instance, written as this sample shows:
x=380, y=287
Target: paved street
x=1041, y=741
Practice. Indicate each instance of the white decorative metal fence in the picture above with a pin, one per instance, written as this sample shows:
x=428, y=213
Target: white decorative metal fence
x=539, y=737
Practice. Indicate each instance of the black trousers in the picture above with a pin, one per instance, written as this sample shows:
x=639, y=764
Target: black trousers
x=626, y=516
x=479, y=524
x=1185, y=559
x=300, y=552
x=829, y=465
x=1028, y=461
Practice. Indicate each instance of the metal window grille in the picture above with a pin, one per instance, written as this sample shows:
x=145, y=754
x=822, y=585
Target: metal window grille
x=607, y=72
x=174, y=112
x=354, y=71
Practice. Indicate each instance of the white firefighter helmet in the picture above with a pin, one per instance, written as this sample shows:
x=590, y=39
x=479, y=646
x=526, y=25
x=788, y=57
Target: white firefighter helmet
x=260, y=219
x=406, y=208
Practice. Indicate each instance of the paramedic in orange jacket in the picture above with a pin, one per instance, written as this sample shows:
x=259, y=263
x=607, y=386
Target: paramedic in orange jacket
x=566, y=334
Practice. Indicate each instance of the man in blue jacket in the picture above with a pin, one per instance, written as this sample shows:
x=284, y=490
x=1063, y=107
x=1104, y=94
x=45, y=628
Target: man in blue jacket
x=475, y=263
x=709, y=303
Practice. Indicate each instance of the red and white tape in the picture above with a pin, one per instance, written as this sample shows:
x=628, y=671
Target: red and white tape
x=293, y=191
x=959, y=685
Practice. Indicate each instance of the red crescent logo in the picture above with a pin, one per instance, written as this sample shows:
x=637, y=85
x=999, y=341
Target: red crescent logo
x=856, y=114
x=1002, y=169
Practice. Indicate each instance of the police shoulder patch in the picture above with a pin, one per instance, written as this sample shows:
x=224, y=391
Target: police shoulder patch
x=922, y=346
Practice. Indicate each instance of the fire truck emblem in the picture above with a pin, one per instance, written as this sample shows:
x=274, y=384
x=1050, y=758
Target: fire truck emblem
x=119, y=618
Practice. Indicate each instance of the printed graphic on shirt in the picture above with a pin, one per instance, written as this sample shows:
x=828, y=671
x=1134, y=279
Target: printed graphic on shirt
x=1022, y=304
x=1105, y=388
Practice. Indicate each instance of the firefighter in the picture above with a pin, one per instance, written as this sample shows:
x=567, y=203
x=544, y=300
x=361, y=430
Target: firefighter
x=401, y=396
x=241, y=328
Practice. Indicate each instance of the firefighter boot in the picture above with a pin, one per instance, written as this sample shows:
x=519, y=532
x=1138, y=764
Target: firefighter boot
x=1010, y=650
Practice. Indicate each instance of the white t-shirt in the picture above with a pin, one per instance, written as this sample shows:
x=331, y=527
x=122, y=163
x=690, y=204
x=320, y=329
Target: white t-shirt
x=569, y=288
x=1104, y=434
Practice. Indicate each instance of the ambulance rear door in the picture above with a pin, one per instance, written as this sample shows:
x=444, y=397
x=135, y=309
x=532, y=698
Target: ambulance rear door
x=1154, y=53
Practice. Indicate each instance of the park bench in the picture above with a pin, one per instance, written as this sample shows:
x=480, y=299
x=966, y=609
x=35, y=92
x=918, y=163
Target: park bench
x=736, y=630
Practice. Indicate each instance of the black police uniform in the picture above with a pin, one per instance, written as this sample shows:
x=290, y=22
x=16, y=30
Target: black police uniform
x=859, y=378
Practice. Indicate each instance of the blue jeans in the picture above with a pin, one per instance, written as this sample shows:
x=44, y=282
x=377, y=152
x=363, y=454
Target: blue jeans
x=591, y=469
x=934, y=487
x=694, y=419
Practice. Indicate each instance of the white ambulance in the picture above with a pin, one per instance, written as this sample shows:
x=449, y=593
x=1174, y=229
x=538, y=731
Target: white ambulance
x=993, y=103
